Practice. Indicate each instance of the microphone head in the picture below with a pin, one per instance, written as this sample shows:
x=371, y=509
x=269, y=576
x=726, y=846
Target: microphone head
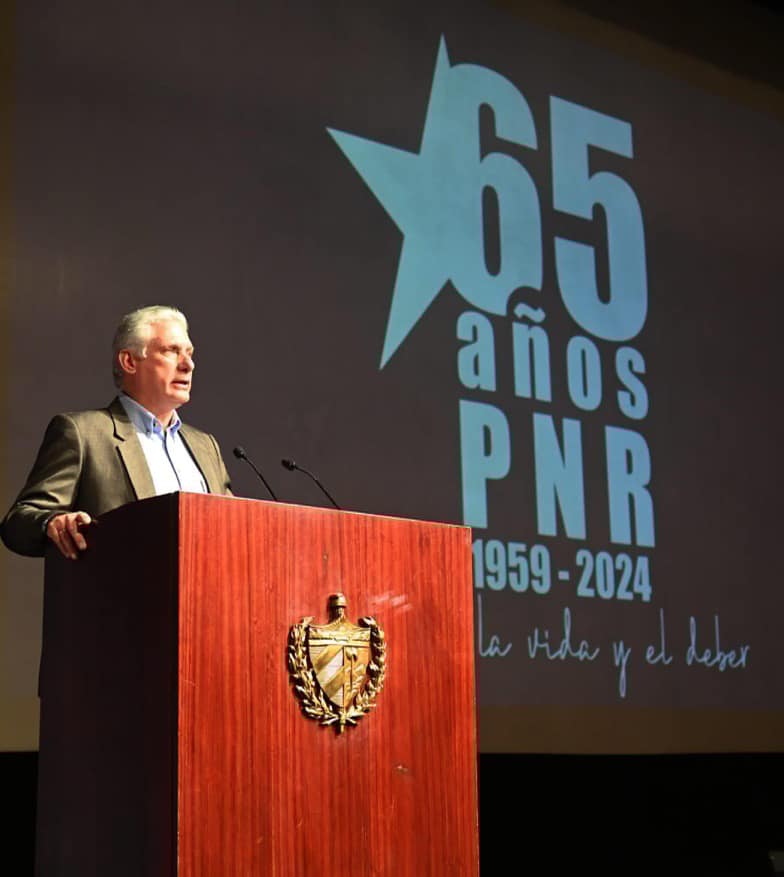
x=239, y=452
x=288, y=464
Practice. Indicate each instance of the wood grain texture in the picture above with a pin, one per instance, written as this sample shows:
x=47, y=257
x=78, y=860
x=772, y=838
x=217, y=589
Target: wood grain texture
x=172, y=742
x=261, y=788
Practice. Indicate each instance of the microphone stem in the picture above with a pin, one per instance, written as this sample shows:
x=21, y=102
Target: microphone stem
x=264, y=480
x=240, y=454
x=290, y=464
x=326, y=492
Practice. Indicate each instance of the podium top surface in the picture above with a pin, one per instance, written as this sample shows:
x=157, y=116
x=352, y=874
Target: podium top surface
x=210, y=498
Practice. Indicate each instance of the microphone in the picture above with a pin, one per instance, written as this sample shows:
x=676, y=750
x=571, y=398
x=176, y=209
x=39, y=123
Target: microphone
x=291, y=466
x=239, y=453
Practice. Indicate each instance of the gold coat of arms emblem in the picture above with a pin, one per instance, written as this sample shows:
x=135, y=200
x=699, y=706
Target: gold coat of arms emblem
x=337, y=668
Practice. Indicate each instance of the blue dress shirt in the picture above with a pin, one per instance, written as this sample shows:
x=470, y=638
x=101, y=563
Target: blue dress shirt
x=171, y=466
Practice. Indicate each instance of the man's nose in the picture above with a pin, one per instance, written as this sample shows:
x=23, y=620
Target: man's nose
x=186, y=363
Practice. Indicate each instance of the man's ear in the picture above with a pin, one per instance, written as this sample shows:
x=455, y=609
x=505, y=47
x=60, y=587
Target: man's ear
x=127, y=362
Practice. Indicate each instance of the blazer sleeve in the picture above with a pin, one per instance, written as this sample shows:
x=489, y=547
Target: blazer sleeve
x=50, y=489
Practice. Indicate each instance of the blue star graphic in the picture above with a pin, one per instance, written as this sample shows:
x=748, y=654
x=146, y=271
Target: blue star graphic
x=435, y=198
x=413, y=189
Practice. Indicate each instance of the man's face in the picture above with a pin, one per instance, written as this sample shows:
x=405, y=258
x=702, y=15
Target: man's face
x=161, y=381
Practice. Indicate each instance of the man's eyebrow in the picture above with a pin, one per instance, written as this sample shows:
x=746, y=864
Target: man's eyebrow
x=178, y=348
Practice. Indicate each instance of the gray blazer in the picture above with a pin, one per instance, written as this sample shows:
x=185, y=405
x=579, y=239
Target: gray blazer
x=92, y=461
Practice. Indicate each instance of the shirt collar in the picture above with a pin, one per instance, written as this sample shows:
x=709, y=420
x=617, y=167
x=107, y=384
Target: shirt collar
x=144, y=420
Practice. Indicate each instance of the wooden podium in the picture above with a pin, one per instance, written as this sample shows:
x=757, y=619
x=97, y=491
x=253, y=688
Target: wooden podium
x=172, y=742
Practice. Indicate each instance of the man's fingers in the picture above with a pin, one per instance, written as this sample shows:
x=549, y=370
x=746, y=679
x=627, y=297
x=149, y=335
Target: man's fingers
x=67, y=545
x=72, y=526
x=63, y=550
x=59, y=535
x=63, y=530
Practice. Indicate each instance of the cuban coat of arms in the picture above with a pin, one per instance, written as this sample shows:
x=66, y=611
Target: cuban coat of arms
x=337, y=668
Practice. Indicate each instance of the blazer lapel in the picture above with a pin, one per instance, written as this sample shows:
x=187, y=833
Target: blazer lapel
x=201, y=457
x=131, y=452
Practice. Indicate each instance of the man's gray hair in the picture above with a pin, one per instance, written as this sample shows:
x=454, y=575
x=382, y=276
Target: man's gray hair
x=135, y=330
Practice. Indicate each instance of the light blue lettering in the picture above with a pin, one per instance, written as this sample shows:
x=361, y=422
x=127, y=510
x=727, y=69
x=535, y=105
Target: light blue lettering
x=485, y=454
x=578, y=131
x=660, y=657
x=621, y=655
x=628, y=475
x=476, y=360
x=633, y=401
x=559, y=477
x=540, y=642
x=584, y=373
x=531, y=355
x=494, y=648
x=733, y=660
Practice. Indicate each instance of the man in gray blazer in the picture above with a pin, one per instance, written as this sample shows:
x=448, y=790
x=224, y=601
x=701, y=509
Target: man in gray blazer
x=93, y=461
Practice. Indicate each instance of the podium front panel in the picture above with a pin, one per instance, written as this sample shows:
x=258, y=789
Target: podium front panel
x=261, y=788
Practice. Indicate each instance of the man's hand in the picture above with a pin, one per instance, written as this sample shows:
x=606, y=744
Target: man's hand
x=63, y=530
